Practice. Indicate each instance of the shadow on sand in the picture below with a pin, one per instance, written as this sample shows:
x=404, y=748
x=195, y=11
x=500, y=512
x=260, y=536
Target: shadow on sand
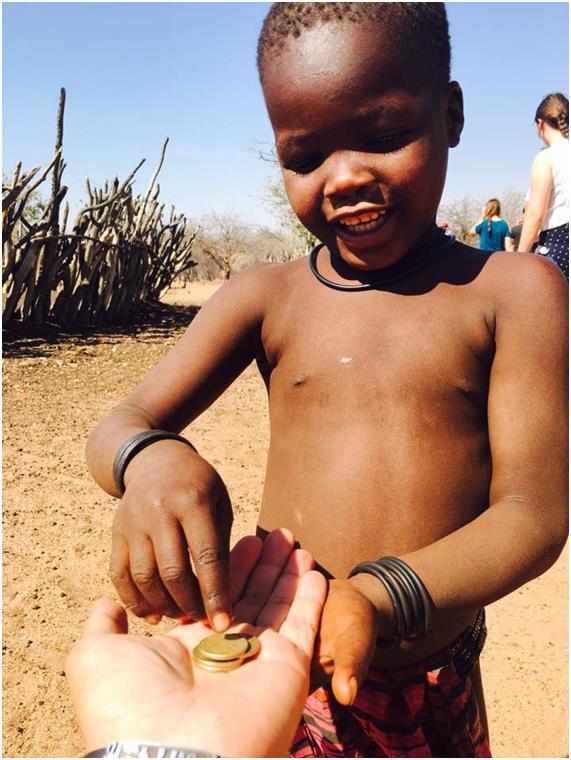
x=152, y=322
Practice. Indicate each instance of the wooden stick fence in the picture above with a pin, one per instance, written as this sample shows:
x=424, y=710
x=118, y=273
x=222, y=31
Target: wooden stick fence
x=122, y=249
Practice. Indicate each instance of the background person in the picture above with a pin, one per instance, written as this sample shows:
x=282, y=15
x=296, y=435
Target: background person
x=494, y=232
x=547, y=212
x=145, y=688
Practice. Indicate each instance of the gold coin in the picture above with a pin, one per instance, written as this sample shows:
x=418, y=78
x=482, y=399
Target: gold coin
x=226, y=668
x=253, y=643
x=253, y=647
x=214, y=666
x=223, y=647
x=203, y=661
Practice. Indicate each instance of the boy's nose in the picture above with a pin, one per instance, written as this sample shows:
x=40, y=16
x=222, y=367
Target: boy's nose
x=347, y=176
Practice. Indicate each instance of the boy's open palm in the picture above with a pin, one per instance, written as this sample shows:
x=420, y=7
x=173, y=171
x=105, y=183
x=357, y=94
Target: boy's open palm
x=346, y=640
x=175, y=508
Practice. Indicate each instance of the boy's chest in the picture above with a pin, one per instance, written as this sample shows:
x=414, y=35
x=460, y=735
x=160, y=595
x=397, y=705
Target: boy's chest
x=379, y=347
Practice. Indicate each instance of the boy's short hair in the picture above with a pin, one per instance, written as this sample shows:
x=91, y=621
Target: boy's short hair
x=421, y=29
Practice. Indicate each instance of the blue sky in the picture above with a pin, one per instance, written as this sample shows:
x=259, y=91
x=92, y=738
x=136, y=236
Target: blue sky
x=138, y=72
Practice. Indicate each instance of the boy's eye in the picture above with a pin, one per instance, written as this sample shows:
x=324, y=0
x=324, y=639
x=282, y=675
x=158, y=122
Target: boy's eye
x=389, y=142
x=303, y=164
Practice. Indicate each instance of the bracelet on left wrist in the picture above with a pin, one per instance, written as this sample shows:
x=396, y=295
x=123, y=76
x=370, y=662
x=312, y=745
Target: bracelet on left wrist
x=379, y=597
x=410, y=598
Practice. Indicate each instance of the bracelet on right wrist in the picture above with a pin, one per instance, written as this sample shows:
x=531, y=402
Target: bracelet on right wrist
x=134, y=445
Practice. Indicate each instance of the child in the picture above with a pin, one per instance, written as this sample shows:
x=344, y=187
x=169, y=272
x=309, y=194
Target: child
x=494, y=232
x=416, y=393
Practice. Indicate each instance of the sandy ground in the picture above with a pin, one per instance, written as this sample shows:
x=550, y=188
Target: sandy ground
x=56, y=538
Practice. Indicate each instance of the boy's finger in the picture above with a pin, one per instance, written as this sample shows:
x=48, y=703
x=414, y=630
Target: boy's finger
x=105, y=616
x=276, y=551
x=146, y=576
x=121, y=577
x=210, y=559
x=352, y=656
x=278, y=605
x=302, y=621
x=173, y=562
x=243, y=559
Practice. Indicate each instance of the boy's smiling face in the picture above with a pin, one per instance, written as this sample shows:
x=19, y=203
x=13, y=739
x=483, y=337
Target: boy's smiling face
x=362, y=138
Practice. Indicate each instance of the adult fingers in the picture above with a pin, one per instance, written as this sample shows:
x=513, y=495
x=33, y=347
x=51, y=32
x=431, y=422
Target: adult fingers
x=243, y=559
x=146, y=577
x=210, y=558
x=105, y=616
x=352, y=656
x=302, y=621
x=277, y=607
x=276, y=551
x=171, y=553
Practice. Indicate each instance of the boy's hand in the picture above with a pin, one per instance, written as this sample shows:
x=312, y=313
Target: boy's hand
x=174, y=502
x=346, y=640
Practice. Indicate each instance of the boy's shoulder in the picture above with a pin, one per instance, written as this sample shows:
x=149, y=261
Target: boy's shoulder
x=524, y=280
x=524, y=269
x=254, y=290
x=503, y=278
x=515, y=267
x=271, y=276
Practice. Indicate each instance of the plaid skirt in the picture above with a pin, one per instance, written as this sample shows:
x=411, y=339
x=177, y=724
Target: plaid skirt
x=428, y=709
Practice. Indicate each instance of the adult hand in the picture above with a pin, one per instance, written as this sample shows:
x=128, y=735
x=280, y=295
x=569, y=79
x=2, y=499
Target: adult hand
x=146, y=688
x=174, y=502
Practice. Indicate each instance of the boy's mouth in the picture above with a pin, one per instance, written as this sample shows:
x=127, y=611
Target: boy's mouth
x=363, y=222
x=362, y=226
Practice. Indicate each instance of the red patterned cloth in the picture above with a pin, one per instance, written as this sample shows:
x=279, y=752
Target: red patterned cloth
x=422, y=710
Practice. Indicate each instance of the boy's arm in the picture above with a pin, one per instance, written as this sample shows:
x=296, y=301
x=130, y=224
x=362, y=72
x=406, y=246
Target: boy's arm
x=220, y=342
x=524, y=529
x=174, y=500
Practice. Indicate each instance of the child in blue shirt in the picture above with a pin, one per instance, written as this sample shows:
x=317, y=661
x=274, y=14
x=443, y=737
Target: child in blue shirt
x=494, y=232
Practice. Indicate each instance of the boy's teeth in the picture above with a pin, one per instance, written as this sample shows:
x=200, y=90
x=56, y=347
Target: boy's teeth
x=361, y=219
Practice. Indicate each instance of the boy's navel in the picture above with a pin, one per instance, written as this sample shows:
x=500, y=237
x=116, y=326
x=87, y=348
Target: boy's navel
x=299, y=380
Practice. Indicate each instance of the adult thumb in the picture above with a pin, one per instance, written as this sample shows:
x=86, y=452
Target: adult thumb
x=106, y=616
x=353, y=653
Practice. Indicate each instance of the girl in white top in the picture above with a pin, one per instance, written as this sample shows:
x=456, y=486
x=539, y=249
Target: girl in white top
x=547, y=212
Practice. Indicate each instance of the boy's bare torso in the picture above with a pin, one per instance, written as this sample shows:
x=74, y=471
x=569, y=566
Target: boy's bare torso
x=378, y=401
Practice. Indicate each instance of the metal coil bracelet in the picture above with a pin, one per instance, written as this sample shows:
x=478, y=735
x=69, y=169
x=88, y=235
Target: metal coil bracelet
x=410, y=598
x=134, y=445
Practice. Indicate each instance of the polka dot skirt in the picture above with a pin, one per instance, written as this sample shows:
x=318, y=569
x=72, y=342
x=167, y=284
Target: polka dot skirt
x=555, y=244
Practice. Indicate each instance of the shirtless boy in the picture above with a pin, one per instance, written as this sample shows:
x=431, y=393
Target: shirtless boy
x=417, y=393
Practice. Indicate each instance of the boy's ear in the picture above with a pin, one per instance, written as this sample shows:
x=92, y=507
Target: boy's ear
x=454, y=113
